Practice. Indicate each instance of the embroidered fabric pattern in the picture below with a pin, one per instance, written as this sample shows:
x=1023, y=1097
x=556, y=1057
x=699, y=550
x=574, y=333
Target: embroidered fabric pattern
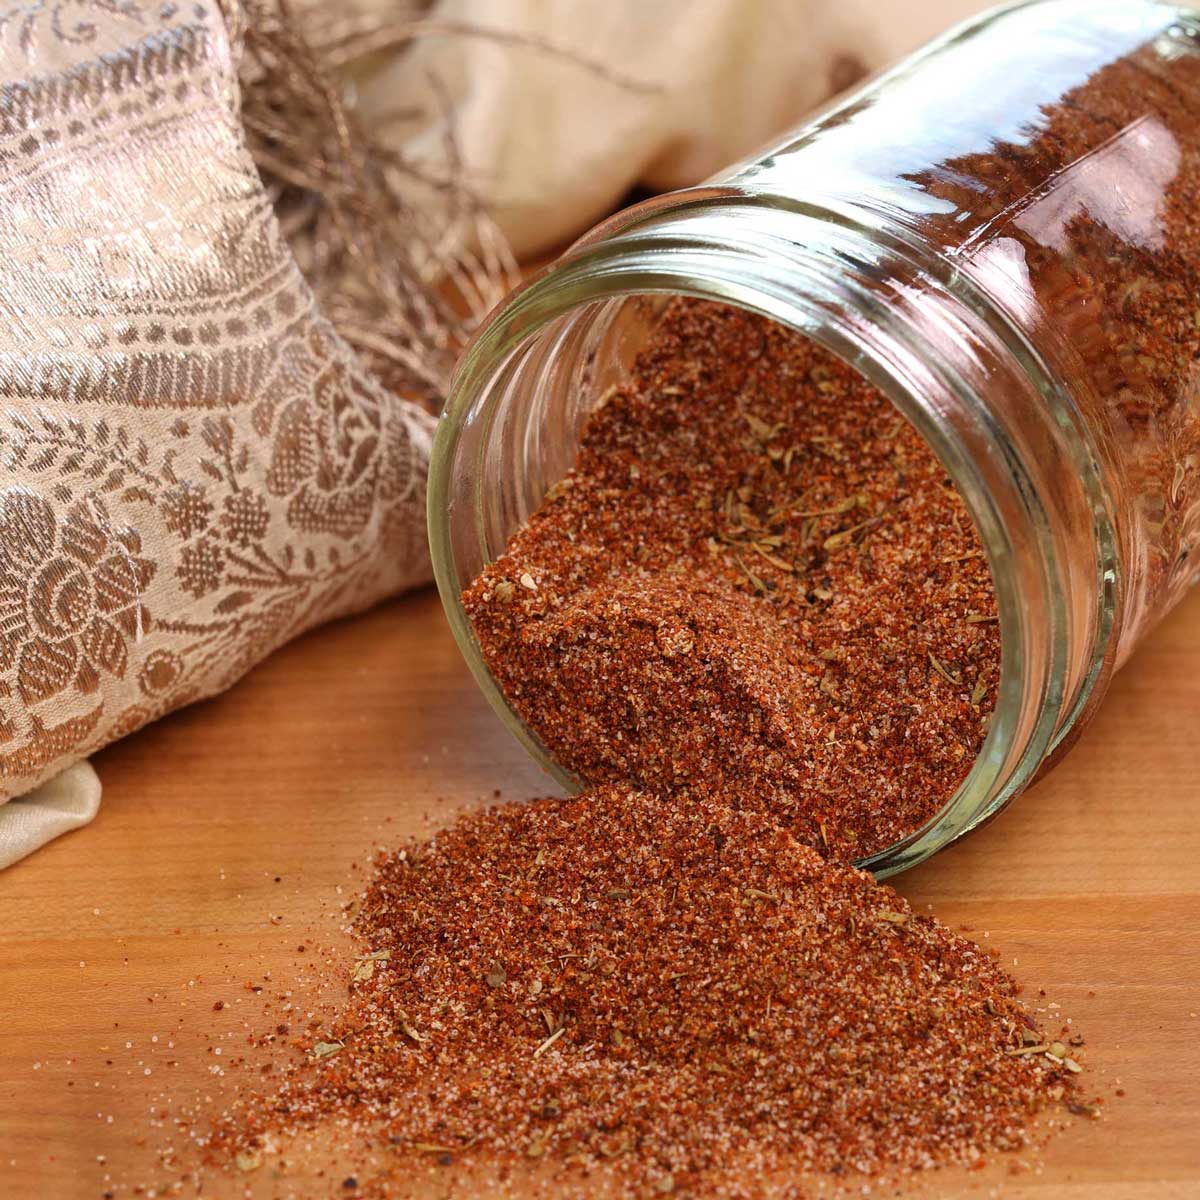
x=195, y=468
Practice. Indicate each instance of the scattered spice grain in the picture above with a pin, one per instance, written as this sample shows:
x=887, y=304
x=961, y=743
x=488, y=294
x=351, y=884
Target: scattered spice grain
x=757, y=575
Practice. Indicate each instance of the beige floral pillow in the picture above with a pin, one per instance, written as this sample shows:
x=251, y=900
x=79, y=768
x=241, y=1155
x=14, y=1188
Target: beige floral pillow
x=193, y=467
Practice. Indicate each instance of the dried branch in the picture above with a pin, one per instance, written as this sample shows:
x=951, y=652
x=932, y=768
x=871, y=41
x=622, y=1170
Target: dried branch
x=346, y=45
x=405, y=283
x=405, y=280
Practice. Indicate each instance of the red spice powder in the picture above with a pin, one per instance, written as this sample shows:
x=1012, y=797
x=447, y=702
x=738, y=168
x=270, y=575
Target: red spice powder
x=1113, y=280
x=638, y=997
x=757, y=575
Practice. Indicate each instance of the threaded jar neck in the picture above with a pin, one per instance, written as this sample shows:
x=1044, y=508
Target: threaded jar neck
x=948, y=361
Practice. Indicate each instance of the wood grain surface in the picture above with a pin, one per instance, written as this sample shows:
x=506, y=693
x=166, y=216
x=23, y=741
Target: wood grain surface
x=227, y=831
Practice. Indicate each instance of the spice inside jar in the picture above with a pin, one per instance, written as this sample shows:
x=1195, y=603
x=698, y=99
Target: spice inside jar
x=757, y=576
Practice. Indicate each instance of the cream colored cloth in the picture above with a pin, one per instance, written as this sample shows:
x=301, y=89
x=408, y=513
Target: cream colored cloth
x=193, y=466
x=556, y=146
x=69, y=800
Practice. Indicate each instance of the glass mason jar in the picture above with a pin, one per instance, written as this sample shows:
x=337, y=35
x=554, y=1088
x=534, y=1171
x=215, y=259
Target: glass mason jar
x=1003, y=235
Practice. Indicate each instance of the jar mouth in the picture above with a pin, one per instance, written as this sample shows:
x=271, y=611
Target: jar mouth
x=824, y=289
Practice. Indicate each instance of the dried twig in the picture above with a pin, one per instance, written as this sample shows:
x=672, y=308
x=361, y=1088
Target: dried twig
x=347, y=44
x=404, y=282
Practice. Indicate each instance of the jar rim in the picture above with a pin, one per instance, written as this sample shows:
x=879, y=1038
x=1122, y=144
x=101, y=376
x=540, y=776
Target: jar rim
x=637, y=254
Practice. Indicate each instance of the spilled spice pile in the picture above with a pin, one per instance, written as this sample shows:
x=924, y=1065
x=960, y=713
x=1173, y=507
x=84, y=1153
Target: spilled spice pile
x=656, y=998
x=757, y=619
x=758, y=575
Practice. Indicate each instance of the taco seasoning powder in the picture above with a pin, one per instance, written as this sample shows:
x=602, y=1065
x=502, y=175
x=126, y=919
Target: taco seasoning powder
x=755, y=616
x=759, y=576
x=618, y=995
x=757, y=619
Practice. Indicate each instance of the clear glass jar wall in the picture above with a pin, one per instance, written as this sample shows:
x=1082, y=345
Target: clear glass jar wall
x=1002, y=234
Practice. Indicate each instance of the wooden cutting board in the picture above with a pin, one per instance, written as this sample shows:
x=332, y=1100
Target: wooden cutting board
x=227, y=831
